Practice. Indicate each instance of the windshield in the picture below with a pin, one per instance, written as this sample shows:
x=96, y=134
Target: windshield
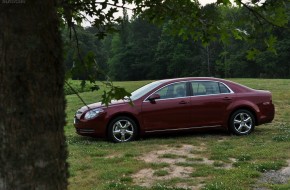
x=144, y=89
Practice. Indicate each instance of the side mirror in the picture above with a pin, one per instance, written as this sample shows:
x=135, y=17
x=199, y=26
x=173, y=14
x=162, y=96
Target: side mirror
x=153, y=97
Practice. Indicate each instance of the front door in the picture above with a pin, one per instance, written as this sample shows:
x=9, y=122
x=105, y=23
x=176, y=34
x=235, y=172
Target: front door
x=170, y=112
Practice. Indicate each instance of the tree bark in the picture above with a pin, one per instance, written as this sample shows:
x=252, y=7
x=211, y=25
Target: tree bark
x=32, y=103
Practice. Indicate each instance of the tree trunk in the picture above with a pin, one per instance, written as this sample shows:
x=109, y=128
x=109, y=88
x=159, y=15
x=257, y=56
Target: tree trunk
x=32, y=104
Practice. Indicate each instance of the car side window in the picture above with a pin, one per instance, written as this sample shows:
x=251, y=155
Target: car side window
x=198, y=88
x=173, y=91
x=212, y=88
x=223, y=88
x=205, y=88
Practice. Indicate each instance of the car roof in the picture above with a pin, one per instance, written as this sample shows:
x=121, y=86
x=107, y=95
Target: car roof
x=236, y=87
x=193, y=78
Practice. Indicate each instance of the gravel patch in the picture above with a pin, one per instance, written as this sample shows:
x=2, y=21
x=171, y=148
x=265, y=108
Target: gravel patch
x=281, y=176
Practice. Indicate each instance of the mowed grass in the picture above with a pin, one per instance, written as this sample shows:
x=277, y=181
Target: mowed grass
x=96, y=164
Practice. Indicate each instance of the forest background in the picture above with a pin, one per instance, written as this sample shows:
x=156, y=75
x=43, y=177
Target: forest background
x=142, y=51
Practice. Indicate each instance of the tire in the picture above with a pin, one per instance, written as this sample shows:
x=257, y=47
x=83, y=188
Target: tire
x=122, y=129
x=242, y=122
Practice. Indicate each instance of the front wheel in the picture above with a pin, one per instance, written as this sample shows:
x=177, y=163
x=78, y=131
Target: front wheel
x=122, y=129
x=242, y=122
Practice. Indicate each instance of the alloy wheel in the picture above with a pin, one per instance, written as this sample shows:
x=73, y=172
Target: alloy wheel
x=123, y=130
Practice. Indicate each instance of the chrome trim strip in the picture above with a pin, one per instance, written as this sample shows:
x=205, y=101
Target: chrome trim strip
x=86, y=131
x=164, y=130
x=169, y=99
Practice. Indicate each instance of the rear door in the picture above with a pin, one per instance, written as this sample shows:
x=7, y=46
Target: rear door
x=209, y=103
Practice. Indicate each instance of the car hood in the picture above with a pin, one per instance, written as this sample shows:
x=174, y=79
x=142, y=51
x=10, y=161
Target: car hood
x=100, y=105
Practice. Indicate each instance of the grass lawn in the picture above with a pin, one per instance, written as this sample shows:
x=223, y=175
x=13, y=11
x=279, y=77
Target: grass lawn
x=199, y=160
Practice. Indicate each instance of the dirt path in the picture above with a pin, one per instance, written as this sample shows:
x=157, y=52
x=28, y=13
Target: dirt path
x=172, y=158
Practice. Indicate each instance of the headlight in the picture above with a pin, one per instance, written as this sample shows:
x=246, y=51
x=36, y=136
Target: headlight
x=93, y=113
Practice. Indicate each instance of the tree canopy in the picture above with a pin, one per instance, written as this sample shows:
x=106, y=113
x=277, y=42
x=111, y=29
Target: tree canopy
x=188, y=17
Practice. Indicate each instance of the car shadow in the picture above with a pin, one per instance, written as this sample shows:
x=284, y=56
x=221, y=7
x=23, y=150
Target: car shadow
x=82, y=140
x=193, y=134
x=86, y=140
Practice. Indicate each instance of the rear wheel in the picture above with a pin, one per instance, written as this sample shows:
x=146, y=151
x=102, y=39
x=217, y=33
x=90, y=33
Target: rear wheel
x=122, y=129
x=242, y=122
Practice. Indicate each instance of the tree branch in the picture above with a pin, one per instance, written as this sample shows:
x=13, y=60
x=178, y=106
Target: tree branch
x=76, y=94
x=120, y=6
x=100, y=3
x=258, y=15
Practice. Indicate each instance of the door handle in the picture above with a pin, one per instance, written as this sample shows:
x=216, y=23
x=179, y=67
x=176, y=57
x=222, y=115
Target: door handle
x=227, y=98
x=183, y=102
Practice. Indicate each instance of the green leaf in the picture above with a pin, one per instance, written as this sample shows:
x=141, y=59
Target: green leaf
x=117, y=93
x=237, y=34
x=225, y=2
x=270, y=42
x=251, y=54
x=104, y=5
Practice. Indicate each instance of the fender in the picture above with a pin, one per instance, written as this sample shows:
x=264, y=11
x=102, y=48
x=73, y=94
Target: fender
x=242, y=104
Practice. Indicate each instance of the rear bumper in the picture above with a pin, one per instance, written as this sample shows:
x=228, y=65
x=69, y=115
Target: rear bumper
x=267, y=114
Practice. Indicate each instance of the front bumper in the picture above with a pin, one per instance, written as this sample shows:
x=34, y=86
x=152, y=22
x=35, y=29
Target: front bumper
x=95, y=127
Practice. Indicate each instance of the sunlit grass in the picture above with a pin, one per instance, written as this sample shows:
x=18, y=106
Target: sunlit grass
x=99, y=164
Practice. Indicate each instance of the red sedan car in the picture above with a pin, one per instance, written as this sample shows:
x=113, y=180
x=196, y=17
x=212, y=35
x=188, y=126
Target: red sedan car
x=175, y=105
